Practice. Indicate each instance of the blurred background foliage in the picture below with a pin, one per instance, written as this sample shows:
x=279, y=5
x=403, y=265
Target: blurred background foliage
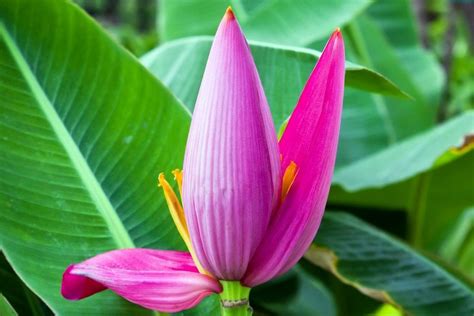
x=445, y=27
x=131, y=23
x=405, y=165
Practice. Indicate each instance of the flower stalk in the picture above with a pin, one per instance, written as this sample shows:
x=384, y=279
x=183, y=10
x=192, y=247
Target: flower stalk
x=235, y=299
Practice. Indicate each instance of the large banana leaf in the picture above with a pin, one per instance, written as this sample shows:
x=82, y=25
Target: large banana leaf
x=411, y=70
x=430, y=177
x=442, y=219
x=387, y=40
x=277, y=21
x=5, y=308
x=367, y=45
x=458, y=245
x=386, y=269
x=408, y=158
x=284, y=71
x=85, y=131
x=397, y=21
x=295, y=293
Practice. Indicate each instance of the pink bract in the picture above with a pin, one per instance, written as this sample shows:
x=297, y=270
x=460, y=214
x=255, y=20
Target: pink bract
x=246, y=219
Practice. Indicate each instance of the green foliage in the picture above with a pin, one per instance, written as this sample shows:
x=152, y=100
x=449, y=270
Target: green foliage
x=431, y=149
x=22, y=299
x=462, y=72
x=442, y=217
x=425, y=176
x=5, y=308
x=385, y=269
x=131, y=23
x=80, y=149
x=367, y=45
x=399, y=30
x=274, y=21
x=296, y=293
x=450, y=37
x=178, y=61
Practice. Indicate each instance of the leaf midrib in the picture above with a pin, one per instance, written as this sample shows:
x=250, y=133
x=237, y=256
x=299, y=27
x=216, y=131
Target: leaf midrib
x=95, y=190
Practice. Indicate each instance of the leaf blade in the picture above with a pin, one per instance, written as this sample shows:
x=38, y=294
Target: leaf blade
x=386, y=166
x=106, y=108
x=386, y=269
x=279, y=21
x=5, y=308
x=120, y=235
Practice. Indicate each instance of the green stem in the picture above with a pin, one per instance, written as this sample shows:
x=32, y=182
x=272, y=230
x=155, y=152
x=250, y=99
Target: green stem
x=417, y=209
x=235, y=299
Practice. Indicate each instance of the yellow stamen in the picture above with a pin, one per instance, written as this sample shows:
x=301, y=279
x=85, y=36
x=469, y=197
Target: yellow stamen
x=178, y=176
x=177, y=214
x=288, y=179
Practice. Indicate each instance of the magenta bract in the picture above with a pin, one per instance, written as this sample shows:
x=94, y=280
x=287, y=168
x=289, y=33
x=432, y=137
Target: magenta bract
x=231, y=173
x=251, y=205
x=156, y=279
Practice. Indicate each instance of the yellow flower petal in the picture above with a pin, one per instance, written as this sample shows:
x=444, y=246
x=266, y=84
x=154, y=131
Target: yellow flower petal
x=178, y=176
x=177, y=214
x=288, y=179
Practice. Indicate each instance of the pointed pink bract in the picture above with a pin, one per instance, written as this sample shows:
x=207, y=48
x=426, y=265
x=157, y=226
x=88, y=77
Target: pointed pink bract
x=162, y=280
x=231, y=185
x=310, y=140
x=231, y=173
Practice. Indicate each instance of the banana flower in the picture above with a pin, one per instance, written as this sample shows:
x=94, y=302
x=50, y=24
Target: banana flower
x=251, y=205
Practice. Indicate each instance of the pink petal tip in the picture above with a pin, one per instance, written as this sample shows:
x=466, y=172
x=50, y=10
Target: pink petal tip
x=163, y=280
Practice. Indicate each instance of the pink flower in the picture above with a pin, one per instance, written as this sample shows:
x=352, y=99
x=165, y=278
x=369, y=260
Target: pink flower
x=252, y=205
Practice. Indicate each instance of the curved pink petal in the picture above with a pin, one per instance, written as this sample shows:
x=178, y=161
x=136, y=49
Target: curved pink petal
x=231, y=173
x=310, y=140
x=162, y=280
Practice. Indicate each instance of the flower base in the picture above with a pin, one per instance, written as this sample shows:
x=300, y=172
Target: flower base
x=235, y=299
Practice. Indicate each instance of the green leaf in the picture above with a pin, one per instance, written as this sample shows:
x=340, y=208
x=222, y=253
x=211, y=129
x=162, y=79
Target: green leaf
x=295, y=293
x=302, y=22
x=441, y=220
x=284, y=71
x=386, y=269
x=458, y=246
x=21, y=298
x=396, y=20
x=366, y=44
x=426, y=177
x=277, y=21
x=407, y=158
x=170, y=60
x=85, y=131
x=410, y=68
x=178, y=19
x=5, y=308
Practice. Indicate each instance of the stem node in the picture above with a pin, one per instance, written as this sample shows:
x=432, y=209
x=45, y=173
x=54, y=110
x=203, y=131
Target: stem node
x=235, y=299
